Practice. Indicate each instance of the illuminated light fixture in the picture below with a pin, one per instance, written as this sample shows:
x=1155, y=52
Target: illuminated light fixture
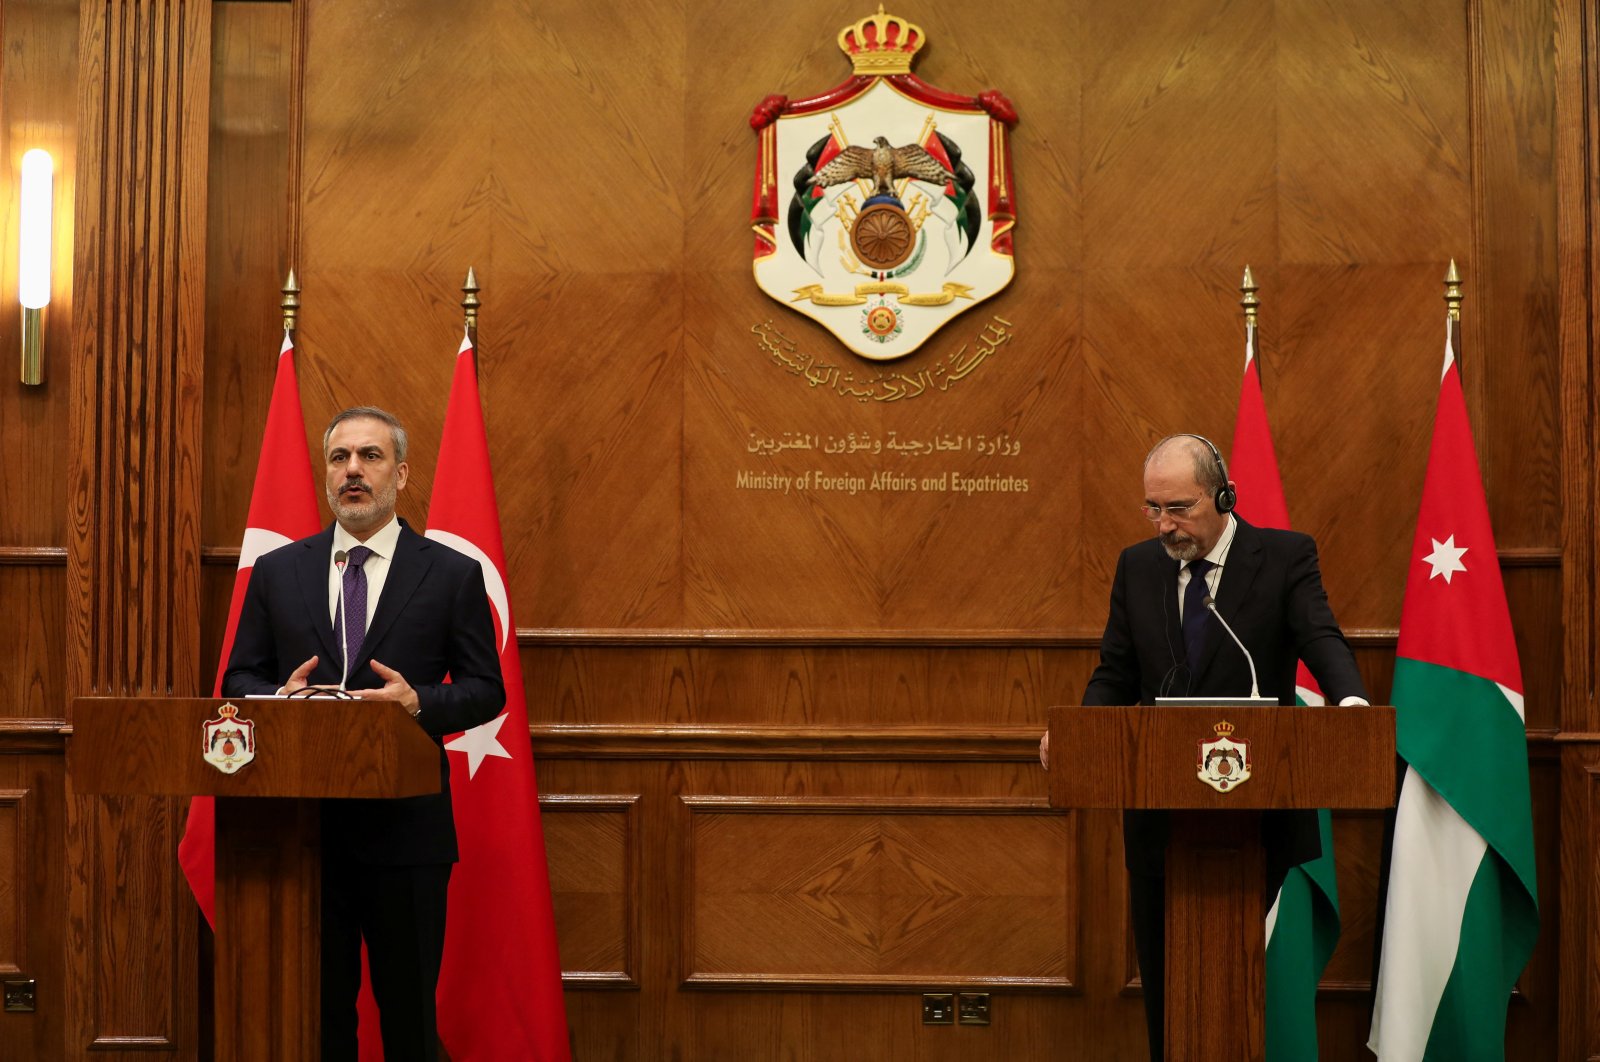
x=33, y=272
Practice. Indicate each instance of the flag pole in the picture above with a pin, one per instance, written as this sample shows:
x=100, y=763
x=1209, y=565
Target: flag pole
x=1452, y=300
x=1252, y=305
x=469, y=305
x=291, y=301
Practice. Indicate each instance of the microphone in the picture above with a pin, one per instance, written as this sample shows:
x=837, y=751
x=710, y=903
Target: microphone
x=339, y=560
x=1255, y=690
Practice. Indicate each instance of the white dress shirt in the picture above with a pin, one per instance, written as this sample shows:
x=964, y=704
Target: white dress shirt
x=382, y=544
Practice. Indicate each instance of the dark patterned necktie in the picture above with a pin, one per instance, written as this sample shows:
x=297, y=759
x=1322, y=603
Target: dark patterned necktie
x=1194, y=612
x=355, y=602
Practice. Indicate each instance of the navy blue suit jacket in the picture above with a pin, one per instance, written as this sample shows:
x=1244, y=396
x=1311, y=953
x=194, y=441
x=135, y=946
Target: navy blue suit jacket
x=432, y=620
x=1271, y=595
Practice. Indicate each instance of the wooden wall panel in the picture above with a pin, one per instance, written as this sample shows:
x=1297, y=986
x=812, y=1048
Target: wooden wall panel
x=1534, y=594
x=247, y=250
x=39, y=64
x=15, y=810
x=1577, y=77
x=592, y=844
x=38, y=92
x=799, y=684
x=1516, y=306
x=702, y=1021
x=33, y=652
x=32, y=892
x=1244, y=134
x=870, y=894
x=1580, y=902
x=133, y=545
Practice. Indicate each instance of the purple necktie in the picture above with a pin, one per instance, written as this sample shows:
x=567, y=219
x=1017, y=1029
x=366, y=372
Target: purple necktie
x=1194, y=613
x=355, y=602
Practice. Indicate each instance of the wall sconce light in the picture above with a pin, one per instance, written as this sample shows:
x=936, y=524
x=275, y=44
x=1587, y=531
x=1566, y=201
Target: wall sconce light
x=33, y=273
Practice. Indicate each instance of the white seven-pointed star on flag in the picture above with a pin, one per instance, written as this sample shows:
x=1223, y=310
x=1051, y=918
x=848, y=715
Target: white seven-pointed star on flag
x=1445, y=558
x=481, y=742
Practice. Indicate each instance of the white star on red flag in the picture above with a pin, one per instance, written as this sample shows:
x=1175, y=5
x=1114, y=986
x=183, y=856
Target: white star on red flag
x=1445, y=558
x=481, y=742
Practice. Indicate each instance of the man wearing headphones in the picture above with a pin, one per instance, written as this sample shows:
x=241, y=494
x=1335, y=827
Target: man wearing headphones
x=1160, y=640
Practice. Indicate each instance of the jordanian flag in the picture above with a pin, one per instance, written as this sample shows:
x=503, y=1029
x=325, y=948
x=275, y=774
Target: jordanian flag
x=1303, y=923
x=1462, y=910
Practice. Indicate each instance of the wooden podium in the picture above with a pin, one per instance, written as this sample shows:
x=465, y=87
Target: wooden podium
x=267, y=979
x=1145, y=757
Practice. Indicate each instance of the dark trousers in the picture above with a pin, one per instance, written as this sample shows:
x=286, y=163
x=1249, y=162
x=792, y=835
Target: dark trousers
x=400, y=912
x=1147, y=906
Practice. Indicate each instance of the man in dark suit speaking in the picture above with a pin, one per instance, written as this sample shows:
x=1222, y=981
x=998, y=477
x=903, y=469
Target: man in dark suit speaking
x=1161, y=640
x=370, y=606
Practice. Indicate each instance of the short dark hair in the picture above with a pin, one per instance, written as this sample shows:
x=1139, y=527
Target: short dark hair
x=374, y=413
x=1209, y=472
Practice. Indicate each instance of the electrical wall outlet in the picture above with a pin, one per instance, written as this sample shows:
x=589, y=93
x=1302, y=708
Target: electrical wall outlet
x=972, y=1008
x=18, y=996
x=938, y=1008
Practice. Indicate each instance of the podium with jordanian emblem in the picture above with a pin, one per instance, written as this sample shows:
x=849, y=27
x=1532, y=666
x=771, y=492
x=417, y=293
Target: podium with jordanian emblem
x=267, y=763
x=1217, y=769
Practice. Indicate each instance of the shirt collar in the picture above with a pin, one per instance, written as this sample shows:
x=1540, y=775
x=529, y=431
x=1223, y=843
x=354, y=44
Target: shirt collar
x=382, y=543
x=1219, y=552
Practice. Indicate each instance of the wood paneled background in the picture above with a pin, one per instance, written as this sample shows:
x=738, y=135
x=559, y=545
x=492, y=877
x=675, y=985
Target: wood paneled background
x=786, y=740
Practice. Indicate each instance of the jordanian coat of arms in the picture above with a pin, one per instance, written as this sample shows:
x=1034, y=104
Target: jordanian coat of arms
x=885, y=206
x=1224, y=763
x=228, y=742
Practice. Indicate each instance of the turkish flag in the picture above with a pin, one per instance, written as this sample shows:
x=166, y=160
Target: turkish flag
x=283, y=508
x=500, y=994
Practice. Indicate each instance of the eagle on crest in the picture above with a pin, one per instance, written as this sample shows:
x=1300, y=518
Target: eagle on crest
x=883, y=165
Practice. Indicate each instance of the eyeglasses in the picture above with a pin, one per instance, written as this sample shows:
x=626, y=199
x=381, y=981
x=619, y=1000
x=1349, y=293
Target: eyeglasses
x=1177, y=512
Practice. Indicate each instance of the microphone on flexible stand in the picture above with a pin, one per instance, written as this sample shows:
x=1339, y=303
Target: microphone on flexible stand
x=339, y=560
x=1255, y=690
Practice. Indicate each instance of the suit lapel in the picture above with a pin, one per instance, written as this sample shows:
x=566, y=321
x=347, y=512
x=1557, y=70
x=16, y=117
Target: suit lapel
x=311, y=570
x=1238, y=575
x=407, y=569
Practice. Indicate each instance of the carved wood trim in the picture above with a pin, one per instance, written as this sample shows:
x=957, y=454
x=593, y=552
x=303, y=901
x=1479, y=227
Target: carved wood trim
x=34, y=735
x=1084, y=638
x=41, y=556
x=676, y=742
x=778, y=805
x=631, y=929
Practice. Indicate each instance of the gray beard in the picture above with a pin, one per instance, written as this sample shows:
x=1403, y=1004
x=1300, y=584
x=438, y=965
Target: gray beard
x=1185, y=552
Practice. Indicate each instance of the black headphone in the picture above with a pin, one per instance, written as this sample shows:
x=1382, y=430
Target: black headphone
x=1226, y=497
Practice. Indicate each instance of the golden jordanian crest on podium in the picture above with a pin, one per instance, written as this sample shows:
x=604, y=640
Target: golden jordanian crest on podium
x=1224, y=764
x=884, y=207
x=228, y=742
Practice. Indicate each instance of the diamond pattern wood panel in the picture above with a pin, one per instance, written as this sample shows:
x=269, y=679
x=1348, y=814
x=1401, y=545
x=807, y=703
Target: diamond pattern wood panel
x=789, y=893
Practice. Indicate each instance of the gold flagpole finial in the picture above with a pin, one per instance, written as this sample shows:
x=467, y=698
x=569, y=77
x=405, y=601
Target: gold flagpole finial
x=291, y=301
x=469, y=303
x=1452, y=291
x=1250, y=303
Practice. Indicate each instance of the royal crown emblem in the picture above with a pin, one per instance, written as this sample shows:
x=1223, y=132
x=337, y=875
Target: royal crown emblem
x=885, y=206
x=228, y=742
x=1224, y=763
